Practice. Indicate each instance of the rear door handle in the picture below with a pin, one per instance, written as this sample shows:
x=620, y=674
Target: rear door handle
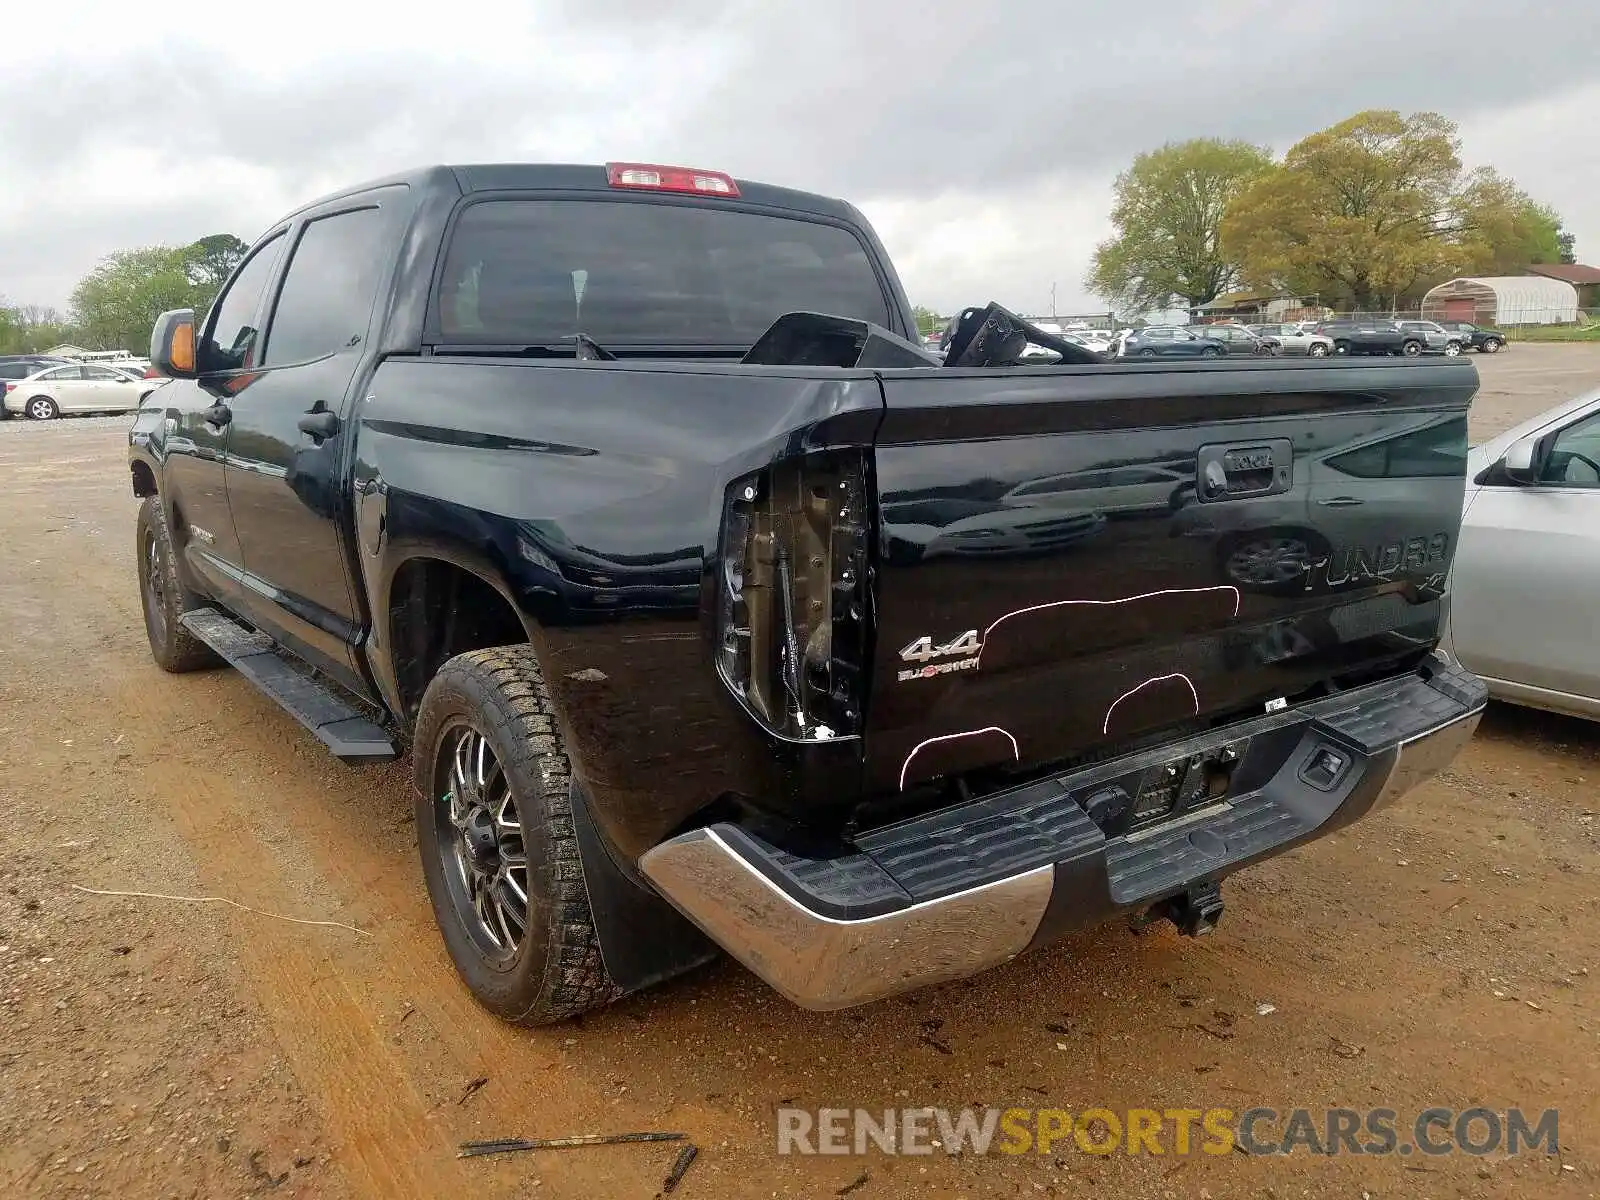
x=1341, y=502
x=320, y=423
x=219, y=414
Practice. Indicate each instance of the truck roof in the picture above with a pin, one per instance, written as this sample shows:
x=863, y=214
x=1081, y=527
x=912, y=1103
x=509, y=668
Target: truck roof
x=574, y=177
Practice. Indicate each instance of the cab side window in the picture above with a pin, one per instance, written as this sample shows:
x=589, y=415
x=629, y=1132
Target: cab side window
x=232, y=340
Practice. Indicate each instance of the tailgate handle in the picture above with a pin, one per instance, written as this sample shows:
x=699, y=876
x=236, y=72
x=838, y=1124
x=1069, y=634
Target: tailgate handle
x=1243, y=469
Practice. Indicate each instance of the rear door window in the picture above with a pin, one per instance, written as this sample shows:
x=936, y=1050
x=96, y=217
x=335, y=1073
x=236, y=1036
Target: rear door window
x=535, y=272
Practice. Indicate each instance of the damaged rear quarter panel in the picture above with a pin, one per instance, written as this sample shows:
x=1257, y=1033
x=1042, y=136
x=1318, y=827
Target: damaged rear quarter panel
x=591, y=498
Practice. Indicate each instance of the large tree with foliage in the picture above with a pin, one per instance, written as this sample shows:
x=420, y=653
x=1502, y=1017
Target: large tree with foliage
x=1168, y=214
x=1376, y=208
x=116, y=304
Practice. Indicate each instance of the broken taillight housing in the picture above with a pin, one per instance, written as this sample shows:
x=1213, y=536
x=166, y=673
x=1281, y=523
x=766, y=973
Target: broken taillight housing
x=793, y=595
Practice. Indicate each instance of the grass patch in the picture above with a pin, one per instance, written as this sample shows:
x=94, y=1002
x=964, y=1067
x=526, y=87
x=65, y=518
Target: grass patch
x=1556, y=333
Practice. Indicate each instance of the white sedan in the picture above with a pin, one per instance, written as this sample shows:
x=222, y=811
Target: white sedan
x=78, y=388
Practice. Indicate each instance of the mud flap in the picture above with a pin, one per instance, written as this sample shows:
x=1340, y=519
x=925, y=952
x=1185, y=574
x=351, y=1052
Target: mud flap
x=643, y=939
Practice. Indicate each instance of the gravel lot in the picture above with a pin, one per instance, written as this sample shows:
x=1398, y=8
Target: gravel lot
x=1443, y=953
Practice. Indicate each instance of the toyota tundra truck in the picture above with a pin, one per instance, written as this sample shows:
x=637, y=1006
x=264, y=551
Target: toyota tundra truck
x=715, y=613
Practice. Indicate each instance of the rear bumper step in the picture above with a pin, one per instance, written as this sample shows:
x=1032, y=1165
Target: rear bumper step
x=951, y=894
x=338, y=725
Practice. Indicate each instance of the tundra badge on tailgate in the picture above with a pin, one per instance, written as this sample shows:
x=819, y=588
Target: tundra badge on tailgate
x=962, y=651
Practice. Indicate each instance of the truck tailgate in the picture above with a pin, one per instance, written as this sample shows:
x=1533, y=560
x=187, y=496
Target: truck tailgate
x=1079, y=559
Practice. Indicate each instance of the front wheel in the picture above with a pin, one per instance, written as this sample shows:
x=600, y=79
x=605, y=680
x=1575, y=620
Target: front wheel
x=1318, y=350
x=1341, y=347
x=1211, y=352
x=1492, y=345
x=42, y=408
x=163, y=596
x=1147, y=353
x=499, y=850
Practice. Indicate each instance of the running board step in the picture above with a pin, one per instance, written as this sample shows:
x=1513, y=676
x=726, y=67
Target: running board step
x=337, y=724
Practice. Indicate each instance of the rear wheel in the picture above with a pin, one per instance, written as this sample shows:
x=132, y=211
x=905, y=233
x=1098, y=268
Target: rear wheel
x=499, y=850
x=1452, y=349
x=1147, y=353
x=163, y=596
x=1492, y=345
x=42, y=408
x=1211, y=352
x=1411, y=349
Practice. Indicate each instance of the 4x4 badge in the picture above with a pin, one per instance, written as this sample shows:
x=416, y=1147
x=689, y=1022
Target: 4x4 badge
x=962, y=653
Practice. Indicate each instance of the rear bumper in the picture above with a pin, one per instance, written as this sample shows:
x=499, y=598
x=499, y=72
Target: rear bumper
x=946, y=896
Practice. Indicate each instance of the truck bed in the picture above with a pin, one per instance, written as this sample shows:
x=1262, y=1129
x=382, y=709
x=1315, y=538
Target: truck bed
x=1070, y=560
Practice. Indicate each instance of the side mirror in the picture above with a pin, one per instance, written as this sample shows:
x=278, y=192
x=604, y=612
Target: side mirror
x=1521, y=462
x=172, y=344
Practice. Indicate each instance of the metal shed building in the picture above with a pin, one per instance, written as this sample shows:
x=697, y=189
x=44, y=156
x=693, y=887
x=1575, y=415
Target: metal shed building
x=1503, y=300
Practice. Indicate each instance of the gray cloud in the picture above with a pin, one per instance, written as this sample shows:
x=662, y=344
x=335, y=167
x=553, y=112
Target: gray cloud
x=936, y=116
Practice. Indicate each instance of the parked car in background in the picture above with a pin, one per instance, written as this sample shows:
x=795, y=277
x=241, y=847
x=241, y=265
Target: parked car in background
x=1528, y=562
x=16, y=367
x=1295, y=339
x=1476, y=337
x=1098, y=340
x=1238, y=340
x=77, y=388
x=1373, y=337
x=1170, y=341
x=1438, y=340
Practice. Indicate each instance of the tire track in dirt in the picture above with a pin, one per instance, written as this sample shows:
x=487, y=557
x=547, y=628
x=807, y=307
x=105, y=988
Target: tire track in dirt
x=328, y=998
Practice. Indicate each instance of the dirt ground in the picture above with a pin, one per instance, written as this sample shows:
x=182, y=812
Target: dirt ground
x=1443, y=953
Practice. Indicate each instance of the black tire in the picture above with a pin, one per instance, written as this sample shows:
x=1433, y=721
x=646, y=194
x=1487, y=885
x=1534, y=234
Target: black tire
x=1210, y=352
x=41, y=408
x=1492, y=345
x=554, y=970
x=1317, y=350
x=1411, y=348
x=163, y=596
x=1147, y=353
x=1341, y=347
x=1452, y=349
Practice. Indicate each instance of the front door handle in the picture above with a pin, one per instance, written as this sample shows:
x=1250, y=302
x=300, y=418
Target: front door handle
x=219, y=414
x=320, y=423
x=1340, y=502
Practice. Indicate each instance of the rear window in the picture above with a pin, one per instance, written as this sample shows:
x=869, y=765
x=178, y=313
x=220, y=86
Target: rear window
x=537, y=271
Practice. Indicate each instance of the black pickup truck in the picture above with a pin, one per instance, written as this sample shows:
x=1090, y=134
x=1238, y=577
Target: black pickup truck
x=715, y=612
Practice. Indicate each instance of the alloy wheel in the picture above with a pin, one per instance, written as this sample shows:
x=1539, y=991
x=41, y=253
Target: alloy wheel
x=486, y=859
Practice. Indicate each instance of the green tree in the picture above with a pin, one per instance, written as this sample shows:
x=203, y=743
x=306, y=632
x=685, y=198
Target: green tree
x=1377, y=208
x=211, y=260
x=1501, y=228
x=117, y=303
x=1567, y=247
x=31, y=328
x=927, y=320
x=1168, y=214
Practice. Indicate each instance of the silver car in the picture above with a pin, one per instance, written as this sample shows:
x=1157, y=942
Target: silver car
x=1527, y=569
x=1438, y=339
x=1296, y=339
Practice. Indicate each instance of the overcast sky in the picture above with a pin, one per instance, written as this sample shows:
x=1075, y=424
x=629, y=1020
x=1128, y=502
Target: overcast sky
x=981, y=139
